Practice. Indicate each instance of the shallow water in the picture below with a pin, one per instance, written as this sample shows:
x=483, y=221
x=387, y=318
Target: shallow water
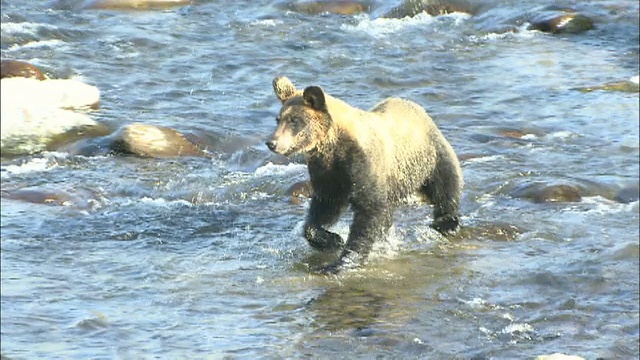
x=203, y=258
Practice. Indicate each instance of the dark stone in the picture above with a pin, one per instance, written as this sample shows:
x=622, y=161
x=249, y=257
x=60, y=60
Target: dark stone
x=411, y=8
x=628, y=194
x=560, y=21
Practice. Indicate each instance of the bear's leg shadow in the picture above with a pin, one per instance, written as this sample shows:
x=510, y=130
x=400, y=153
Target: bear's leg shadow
x=443, y=189
x=324, y=211
x=369, y=226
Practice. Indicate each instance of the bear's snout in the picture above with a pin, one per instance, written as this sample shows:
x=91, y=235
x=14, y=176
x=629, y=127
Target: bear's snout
x=271, y=144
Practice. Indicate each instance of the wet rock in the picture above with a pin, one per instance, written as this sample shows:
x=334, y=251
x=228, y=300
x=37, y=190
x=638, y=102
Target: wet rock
x=32, y=130
x=541, y=193
x=501, y=138
x=632, y=86
x=469, y=156
x=96, y=322
x=15, y=68
x=132, y=4
x=79, y=198
x=299, y=191
x=410, y=8
x=150, y=141
x=516, y=134
x=55, y=93
x=527, y=134
x=34, y=113
x=77, y=134
x=560, y=21
x=628, y=194
x=160, y=142
x=340, y=7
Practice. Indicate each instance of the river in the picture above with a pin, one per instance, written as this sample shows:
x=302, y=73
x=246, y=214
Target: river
x=203, y=258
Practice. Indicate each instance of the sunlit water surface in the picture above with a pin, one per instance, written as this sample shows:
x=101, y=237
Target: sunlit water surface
x=203, y=258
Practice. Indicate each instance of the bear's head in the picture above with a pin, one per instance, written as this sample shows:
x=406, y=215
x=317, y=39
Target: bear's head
x=303, y=121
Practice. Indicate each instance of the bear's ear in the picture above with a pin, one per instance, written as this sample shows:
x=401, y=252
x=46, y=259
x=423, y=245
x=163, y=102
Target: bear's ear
x=284, y=88
x=314, y=97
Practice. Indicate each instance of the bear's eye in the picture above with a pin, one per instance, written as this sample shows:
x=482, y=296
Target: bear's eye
x=278, y=120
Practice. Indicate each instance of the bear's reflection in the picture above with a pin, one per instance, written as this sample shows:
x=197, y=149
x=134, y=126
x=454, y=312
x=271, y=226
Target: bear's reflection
x=347, y=308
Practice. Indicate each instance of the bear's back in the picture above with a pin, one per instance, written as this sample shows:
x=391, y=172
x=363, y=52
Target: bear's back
x=406, y=123
x=395, y=135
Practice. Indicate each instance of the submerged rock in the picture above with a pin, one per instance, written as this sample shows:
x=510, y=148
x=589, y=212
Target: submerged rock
x=628, y=194
x=541, y=193
x=631, y=86
x=15, y=68
x=79, y=198
x=411, y=8
x=340, y=7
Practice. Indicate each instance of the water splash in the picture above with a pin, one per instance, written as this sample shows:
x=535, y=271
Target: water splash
x=381, y=27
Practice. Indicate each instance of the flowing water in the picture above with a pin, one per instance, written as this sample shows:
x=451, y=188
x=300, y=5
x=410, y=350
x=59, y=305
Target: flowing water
x=203, y=257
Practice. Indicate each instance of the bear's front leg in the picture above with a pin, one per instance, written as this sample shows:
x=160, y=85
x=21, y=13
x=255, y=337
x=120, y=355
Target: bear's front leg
x=321, y=239
x=446, y=225
x=324, y=211
x=369, y=225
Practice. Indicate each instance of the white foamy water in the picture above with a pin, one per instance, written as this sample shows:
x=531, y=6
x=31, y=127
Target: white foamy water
x=164, y=202
x=382, y=26
x=521, y=32
x=44, y=44
x=288, y=169
x=26, y=28
x=598, y=206
x=34, y=165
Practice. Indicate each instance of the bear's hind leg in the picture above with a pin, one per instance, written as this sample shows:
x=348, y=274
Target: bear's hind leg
x=323, y=212
x=443, y=189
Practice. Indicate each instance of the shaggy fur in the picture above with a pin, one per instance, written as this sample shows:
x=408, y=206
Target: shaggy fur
x=370, y=160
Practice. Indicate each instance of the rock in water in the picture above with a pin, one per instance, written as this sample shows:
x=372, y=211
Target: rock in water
x=340, y=7
x=411, y=8
x=34, y=112
x=15, y=68
x=542, y=193
x=152, y=141
x=55, y=93
x=560, y=21
x=133, y=4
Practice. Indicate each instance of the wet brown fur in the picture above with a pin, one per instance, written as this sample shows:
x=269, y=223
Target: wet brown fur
x=369, y=159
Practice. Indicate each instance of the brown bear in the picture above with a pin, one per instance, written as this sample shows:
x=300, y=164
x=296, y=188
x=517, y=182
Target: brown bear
x=371, y=160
